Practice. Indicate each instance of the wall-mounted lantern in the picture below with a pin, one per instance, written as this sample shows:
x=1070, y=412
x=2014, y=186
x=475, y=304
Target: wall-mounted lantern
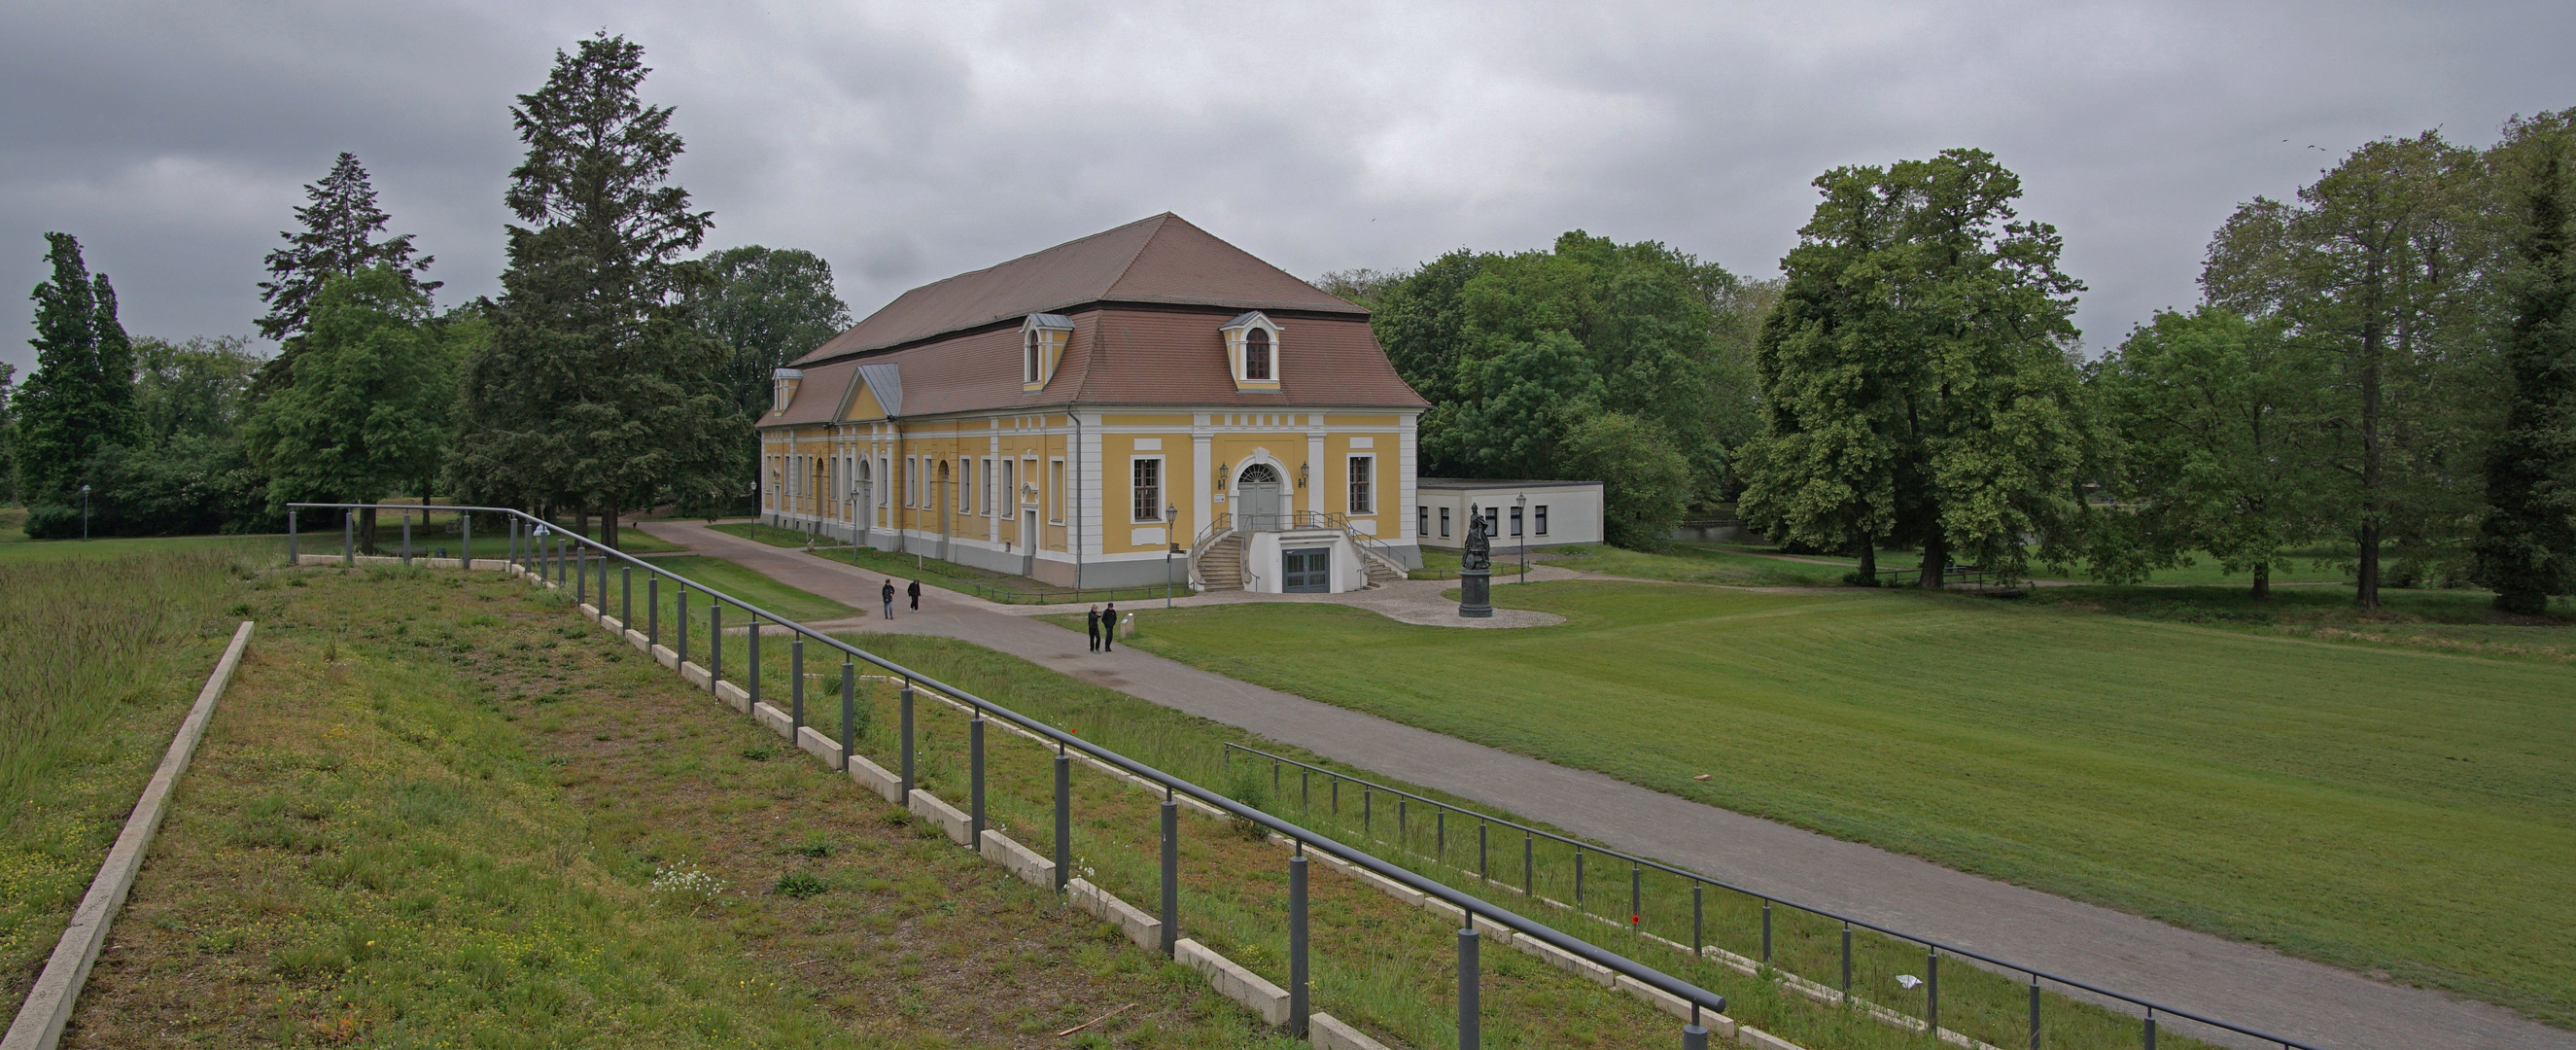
x=1301, y=475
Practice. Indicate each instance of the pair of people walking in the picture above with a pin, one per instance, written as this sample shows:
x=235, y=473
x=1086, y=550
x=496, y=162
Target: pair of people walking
x=1104, y=628
x=914, y=592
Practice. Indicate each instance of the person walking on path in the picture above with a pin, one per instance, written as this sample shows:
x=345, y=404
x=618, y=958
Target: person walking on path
x=888, y=595
x=915, y=592
x=1109, y=628
x=1091, y=621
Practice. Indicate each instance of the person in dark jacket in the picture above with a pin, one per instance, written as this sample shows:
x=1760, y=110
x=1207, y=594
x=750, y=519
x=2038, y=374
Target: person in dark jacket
x=1109, y=628
x=915, y=592
x=888, y=595
x=1092, y=622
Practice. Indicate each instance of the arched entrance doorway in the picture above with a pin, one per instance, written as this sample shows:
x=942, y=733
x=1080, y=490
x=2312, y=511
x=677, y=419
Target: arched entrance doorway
x=1257, y=500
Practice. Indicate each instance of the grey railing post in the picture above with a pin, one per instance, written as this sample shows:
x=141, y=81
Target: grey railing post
x=511, y=551
x=465, y=524
x=2151, y=1028
x=2034, y=1010
x=1171, y=873
x=907, y=740
x=407, y=538
x=1766, y=929
x=1694, y=1037
x=1440, y=834
x=1297, y=943
x=975, y=777
x=1470, y=1035
x=652, y=611
x=1932, y=993
x=1482, y=871
x=849, y=710
x=796, y=683
x=715, y=642
x=1529, y=881
x=626, y=597
x=751, y=673
x=1578, y=877
x=1847, y=964
x=291, y=513
x=1699, y=915
x=1063, y=816
x=1636, y=898
x=348, y=537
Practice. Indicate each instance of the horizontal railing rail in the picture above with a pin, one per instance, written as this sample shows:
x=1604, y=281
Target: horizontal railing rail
x=2151, y=1007
x=527, y=531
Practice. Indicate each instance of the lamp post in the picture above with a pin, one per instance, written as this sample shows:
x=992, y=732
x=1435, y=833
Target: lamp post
x=84, y=512
x=1171, y=513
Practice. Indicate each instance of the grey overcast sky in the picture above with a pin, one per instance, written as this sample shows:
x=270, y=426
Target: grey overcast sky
x=907, y=142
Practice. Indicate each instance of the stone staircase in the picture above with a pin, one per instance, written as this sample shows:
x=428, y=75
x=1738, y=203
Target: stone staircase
x=1379, y=572
x=1221, y=565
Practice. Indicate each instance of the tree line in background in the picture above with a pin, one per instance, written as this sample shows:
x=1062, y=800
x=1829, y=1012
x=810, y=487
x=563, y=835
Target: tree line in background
x=612, y=374
x=2382, y=374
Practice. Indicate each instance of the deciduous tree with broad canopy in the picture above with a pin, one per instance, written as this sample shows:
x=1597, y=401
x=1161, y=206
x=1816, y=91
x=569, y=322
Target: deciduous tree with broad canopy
x=1917, y=373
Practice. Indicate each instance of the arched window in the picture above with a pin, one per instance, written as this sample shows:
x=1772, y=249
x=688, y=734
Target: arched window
x=1256, y=354
x=1029, y=358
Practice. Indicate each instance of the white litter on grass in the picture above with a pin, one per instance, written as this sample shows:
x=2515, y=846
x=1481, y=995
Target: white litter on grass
x=1908, y=981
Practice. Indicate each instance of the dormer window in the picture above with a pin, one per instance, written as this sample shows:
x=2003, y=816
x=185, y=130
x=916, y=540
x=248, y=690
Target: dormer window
x=1042, y=342
x=782, y=387
x=1252, y=351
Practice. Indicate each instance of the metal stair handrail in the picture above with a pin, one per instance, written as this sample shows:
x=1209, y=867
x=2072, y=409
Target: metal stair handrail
x=1215, y=531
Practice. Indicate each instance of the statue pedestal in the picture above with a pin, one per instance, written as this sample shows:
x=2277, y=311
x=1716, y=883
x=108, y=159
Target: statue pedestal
x=1475, y=593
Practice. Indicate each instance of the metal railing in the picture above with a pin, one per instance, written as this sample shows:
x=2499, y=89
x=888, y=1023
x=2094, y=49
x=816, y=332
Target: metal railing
x=1224, y=526
x=1638, y=866
x=566, y=559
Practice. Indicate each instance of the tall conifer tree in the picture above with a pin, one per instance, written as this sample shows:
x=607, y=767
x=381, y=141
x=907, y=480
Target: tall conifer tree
x=598, y=391
x=338, y=239
x=81, y=398
x=2526, y=548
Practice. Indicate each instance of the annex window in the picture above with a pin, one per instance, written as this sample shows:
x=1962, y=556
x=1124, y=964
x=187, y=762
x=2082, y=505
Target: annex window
x=1444, y=523
x=1361, y=495
x=1148, y=472
x=1516, y=521
x=1421, y=521
x=1493, y=521
x=1542, y=519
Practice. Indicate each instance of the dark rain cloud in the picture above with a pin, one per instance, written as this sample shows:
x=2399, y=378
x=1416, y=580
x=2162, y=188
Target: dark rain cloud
x=906, y=142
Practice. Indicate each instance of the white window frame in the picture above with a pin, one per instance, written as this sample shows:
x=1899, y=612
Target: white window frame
x=1361, y=483
x=1162, y=487
x=1444, y=523
x=1055, y=490
x=912, y=481
x=1538, y=521
x=1516, y=520
x=1421, y=519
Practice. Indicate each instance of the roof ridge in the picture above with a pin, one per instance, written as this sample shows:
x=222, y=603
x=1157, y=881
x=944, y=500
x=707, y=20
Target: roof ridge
x=1122, y=270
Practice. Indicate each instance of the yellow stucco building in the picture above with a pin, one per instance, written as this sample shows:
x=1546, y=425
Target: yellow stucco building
x=1119, y=410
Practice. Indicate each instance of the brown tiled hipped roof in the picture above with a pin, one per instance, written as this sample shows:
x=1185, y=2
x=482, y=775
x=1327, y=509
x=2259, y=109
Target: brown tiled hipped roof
x=1163, y=259
x=1146, y=301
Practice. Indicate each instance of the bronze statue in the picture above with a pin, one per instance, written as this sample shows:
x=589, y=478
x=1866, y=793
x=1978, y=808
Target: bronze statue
x=1478, y=554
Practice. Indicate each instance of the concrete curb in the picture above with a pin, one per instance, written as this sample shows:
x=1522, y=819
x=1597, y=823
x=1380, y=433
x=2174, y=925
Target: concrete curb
x=1327, y=1032
x=57, y=990
x=1145, y=930
x=1018, y=860
x=1234, y=982
x=949, y=821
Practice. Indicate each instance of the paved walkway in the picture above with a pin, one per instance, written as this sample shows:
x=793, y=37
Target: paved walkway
x=2247, y=984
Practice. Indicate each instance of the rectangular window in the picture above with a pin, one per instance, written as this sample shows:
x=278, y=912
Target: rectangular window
x=984, y=489
x=1444, y=523
x=911, y=481
x=1055, y=491
x=1542, y=519
x=1421, y=521
x=965, y=485
x=1493, y=521
x=1149, y=488
x=1516, y=521
x=1360, y=498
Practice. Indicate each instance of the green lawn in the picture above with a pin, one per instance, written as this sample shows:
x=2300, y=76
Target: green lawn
x=778, y=598
x=769, y=534
x=2402, y=811
x=1694, y=563
x=1438, y=564
x=989, y=585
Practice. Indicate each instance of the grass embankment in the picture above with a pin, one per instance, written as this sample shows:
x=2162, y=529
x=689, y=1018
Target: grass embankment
x=2463, y=622
x=103, y=657
x=987, y=584
x=2380, y=810
x=748, y=585
x=438, y=811
x=1438, y=564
